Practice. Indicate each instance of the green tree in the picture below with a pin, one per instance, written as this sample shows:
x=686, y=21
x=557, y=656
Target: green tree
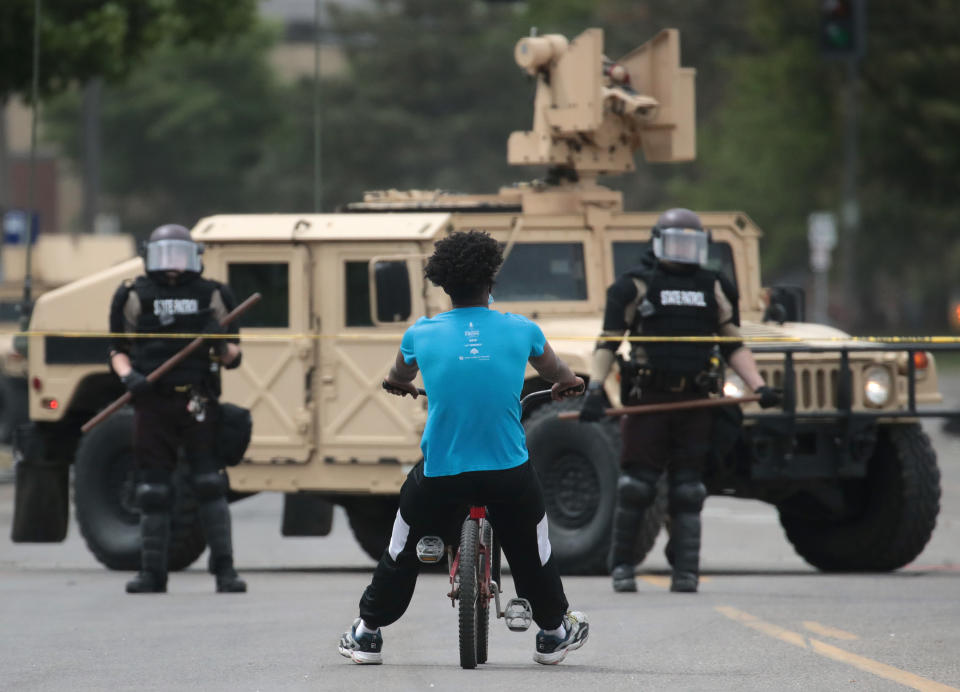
x=774, y=148
x=189, y=131
x=83, y=39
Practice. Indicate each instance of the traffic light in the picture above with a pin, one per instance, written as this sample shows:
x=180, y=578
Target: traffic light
x=842, y=27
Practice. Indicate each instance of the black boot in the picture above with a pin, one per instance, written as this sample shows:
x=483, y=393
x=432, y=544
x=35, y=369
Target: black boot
x=687, y=494
x=215, y=517
x=154, y=536
x=228, y=581
x=636, y=491
x=624, y=580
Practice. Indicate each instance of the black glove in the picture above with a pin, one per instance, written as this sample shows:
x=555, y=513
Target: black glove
x=235, y=363
x=594, y=404
x=769, y=396
x=136, y=383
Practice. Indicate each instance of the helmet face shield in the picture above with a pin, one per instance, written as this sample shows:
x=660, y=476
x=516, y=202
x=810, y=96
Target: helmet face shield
x=681, y=245
x=171, y=255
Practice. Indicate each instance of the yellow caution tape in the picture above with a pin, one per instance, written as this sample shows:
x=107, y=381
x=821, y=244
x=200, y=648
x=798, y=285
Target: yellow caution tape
x=286, y=336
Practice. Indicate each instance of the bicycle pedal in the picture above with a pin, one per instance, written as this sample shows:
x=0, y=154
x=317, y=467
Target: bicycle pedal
x=518, y=615
x=430, y=549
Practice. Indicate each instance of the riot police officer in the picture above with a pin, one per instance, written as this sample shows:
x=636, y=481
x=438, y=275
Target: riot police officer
x=670, y=294
x=179, y=410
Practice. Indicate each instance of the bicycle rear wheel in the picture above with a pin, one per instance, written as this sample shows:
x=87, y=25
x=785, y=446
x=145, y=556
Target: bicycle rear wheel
x=483, y=608
x=469, y=592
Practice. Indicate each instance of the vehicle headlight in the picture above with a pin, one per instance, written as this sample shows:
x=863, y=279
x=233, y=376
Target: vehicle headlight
x=877, y=386
x=733, y=385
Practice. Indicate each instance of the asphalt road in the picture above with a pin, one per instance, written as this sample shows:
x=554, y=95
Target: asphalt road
x=763, y=619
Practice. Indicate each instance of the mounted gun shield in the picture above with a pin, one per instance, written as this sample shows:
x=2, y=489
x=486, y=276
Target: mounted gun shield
x=592, y=114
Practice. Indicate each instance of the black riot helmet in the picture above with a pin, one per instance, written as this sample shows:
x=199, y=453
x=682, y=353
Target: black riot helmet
x=679, y=237
x=171, y=249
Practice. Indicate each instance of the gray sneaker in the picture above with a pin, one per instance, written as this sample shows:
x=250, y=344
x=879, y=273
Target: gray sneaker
x=552, y=650
x=364, y=649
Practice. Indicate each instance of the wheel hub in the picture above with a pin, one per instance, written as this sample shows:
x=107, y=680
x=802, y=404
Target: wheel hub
x=572, y=490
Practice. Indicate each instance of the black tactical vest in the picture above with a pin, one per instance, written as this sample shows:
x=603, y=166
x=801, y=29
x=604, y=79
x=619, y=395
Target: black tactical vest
x=683, y=304
x=183, y=308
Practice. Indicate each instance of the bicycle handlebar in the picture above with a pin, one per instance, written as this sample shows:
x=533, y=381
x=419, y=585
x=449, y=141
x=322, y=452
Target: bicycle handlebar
x=531, y=398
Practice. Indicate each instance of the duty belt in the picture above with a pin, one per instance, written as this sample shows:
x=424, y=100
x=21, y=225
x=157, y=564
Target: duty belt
x=663, y=381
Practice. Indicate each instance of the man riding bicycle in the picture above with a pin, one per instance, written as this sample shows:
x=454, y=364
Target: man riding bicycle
x=473, y=361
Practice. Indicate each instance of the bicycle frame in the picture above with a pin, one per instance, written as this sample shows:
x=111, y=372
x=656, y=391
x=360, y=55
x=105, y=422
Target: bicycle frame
x=488, y=582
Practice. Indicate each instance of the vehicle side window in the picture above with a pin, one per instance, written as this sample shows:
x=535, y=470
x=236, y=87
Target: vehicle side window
x=542, y=271
x=357, y=292
x=271, y=280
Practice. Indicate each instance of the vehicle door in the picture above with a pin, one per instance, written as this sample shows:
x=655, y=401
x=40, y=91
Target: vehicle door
x=279, y=350
x=359, y=421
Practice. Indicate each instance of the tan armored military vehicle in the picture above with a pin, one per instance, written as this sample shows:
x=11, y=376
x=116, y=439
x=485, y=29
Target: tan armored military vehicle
x=56, y=259
x=854, y=478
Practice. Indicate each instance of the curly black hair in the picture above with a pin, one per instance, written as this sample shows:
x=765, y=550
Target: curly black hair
x=465, y=263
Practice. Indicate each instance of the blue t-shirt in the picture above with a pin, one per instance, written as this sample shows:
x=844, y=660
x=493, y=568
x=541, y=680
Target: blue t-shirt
x=472, y=361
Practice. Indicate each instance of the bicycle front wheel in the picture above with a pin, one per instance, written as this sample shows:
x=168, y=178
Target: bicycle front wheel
x=469, y=592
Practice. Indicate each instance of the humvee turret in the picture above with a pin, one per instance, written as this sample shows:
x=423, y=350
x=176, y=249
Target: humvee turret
x=845, y=461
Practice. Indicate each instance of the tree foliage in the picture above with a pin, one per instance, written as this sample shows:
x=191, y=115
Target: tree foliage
x=187, y=134
x=82, y=39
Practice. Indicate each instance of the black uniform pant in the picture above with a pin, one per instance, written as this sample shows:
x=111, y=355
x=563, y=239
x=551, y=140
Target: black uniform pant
x=671, y=440
x=161, y=425
x=437, y=506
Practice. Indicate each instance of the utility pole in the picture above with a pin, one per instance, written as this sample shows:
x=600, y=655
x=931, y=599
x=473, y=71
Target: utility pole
x=850, y=213
x=317, y=164
x=92, y=94
x=26, y=305
x=843, y=35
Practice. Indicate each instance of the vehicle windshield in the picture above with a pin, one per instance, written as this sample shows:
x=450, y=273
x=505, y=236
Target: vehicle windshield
x=719, y=257
x=542, y=271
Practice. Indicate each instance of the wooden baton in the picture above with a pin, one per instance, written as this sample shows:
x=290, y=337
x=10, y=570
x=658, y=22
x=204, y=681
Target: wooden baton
x=670, y=406
x=170, y=363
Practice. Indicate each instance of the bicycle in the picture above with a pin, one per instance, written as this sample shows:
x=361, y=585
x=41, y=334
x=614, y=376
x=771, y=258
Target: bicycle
x=474, y=572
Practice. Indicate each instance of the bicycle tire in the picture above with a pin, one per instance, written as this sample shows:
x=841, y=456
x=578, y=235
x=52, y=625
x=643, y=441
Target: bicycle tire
x=469, y=593
x=483, y=609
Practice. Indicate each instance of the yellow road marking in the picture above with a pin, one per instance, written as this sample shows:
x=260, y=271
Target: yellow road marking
x=656, y=580
x=882, y=670
x=661, y=581
x=827, y=631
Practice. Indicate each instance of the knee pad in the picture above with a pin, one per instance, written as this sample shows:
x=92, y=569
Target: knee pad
x=687, y=496
x=636, y=492
x=210, y=486
x=154, y=497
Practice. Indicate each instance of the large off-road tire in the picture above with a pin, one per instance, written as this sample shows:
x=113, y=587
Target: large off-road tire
x=13, y=406
x=578, y=466
x=371, y=520
x=106, y=513
x=898, y=505
x=468, y=600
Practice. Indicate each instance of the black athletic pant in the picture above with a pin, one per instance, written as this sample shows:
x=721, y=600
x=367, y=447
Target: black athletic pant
x=438, y=506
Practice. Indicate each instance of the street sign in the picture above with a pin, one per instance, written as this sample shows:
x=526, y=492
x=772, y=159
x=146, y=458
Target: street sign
x=822, y=236
x=15, y=222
